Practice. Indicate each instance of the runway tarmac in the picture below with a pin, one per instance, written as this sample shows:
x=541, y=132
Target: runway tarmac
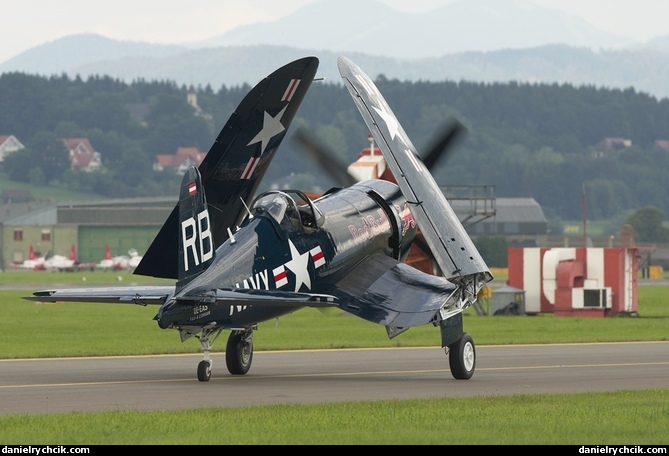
x=169, y=382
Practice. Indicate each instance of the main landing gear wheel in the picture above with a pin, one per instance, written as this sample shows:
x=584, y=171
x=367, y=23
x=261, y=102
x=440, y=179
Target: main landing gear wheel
x=204, y=371
x=462, y=357
x=239, y=352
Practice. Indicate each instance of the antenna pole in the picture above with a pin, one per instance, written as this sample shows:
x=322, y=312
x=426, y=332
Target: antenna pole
x=585, y=218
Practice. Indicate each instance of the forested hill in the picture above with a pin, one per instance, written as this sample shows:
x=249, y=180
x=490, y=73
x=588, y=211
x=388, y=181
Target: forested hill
x=527, y=140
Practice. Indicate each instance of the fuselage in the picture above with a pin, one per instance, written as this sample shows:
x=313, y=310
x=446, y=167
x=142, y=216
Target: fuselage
x=307, y=253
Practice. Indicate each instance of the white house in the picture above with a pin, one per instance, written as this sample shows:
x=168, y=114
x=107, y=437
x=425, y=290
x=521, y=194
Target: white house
x=9, y=144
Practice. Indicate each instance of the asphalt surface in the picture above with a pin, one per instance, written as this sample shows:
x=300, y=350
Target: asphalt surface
x=319, y=376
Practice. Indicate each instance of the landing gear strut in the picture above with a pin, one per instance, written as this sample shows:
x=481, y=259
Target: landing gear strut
x=206, y=341
x=238, y=352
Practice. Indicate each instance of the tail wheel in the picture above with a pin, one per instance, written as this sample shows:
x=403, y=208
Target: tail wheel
x=204, y=371
x=239, y=352
x=462, y=357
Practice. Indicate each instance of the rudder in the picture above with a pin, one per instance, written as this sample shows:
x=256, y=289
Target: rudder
x=196, y=243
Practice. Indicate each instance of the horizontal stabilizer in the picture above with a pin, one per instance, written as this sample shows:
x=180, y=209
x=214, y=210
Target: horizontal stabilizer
x=112, y=295
x=158, y=295
x=249, y=296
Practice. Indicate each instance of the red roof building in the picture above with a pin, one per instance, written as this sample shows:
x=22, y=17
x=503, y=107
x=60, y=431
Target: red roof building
x=181, y=161
x=82, y=155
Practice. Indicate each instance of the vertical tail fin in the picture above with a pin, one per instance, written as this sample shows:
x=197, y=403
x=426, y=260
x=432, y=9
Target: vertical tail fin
x=196, y=243
x=73, y=253
x=108, y=255
x=31, y=253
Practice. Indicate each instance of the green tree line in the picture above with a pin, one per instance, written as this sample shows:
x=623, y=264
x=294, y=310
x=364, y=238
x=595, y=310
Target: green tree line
x=536, y=140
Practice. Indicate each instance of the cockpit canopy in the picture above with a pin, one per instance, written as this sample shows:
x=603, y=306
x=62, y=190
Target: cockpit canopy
x=290, y=208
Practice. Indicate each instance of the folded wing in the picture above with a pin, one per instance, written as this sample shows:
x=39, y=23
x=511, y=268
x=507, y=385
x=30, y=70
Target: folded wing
x=396, y=295
x=234, y=166
x=450, y=244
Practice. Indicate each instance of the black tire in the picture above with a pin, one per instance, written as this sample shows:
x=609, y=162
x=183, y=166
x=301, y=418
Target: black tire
x=462, y=357
x=204, y=371
x=238, y=353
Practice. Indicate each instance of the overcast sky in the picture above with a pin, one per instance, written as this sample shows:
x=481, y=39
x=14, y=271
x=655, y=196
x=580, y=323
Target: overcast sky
x=29, y=23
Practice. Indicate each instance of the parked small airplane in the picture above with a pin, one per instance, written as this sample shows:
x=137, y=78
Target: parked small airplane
x=119, y=263
x=239, y=260
x=107, y=263
x=33, y=262
x=61, y=262
x=134, y=259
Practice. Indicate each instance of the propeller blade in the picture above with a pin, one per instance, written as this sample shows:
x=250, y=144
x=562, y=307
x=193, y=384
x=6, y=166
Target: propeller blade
x=443, y=144
x=324, y=158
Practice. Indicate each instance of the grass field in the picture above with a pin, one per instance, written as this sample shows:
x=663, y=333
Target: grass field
x=51, y=193
x=100, y=324
x=48, y=330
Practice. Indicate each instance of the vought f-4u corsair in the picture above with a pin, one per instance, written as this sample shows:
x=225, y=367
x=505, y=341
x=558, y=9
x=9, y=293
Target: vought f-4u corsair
x=239, y=259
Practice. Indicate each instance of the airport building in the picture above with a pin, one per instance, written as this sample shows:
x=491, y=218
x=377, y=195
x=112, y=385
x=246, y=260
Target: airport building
x=132, y=223
x=123, y=224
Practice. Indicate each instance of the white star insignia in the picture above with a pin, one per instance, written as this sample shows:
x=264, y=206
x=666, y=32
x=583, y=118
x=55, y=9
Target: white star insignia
x=390, y=120
x=272, y=126
x=298, y=265
x=376, y=98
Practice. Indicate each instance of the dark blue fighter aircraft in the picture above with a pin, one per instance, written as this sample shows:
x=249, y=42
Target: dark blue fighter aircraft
x=239, y=259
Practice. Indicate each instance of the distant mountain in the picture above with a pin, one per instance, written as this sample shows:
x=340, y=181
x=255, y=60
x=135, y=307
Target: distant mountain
x=477, y=40
x=65, y=54
x=370, y=27
x=644, y=70
x=661, y=44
